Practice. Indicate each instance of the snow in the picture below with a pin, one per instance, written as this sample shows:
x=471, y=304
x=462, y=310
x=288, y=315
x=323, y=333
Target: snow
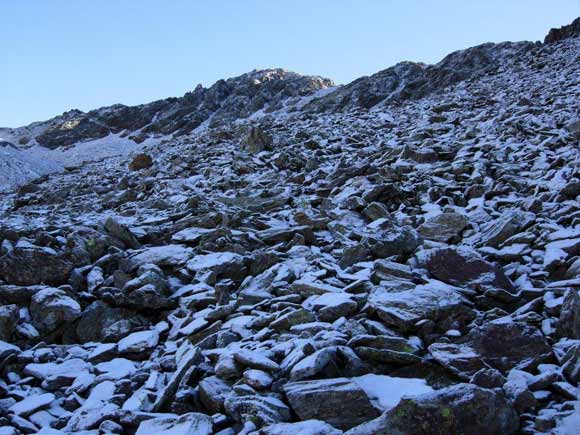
x=18, y=167
x=31, y=404
x=7, y=348
x=117, y=368
x=571, y=424
x=139, y=341
x=71, y=369
x=186, y=424
x=386, y=391
x=202, y=262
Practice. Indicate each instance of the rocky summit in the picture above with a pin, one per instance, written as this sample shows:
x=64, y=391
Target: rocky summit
x=277, y=255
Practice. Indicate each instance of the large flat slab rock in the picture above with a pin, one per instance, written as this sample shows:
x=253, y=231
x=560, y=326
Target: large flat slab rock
x=339, y=402
x=463, y=266
x=434, y=301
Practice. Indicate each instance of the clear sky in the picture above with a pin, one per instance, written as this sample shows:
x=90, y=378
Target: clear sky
x=62, y=54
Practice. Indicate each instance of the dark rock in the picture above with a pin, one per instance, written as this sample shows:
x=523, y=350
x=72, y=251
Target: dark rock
x=257, y=140
x=31, y=265
x=463, y=408
x=570, y=31
x=9, y=316
x=463, y=266
x=141, y=161
x=569, y=322
x=506, y=345
x=51, y=308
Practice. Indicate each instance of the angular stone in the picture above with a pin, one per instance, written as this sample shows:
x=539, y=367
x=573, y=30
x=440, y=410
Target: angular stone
x=444, y=227
x=338, y=402
x=508, y=224
x=569, y=322
x=263, y=410
x=462, y=408
x=51, y=308
x=461, y=360
x=463, y=266
x=434, y=301
x=505, y=345
x=31, y=265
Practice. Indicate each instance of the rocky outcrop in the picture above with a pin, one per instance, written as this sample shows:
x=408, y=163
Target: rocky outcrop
x=409, y=80
x=565, y=32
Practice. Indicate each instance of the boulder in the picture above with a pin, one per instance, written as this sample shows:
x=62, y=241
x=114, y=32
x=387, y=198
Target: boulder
x=339, y=402
x=51, y=308
x=569, y=322
x=463, y=267
x=141, y=161
x=460, y=409
x=505, y=345
x=30, y=265
x=444, y=227
x=257, y=140
x=9, y=316
x=433, y=301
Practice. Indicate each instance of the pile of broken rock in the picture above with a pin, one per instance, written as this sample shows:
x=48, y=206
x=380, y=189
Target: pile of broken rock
x=409, y=268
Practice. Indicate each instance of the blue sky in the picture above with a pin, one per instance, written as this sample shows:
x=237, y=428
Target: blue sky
x=63, y=54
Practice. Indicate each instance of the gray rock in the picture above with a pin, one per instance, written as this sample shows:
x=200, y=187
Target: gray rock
x=52, y=308
x=569, y=322
x=338, y=402
x=433, y=301
x=444, y=227
x=262, y=410
x=9, y=316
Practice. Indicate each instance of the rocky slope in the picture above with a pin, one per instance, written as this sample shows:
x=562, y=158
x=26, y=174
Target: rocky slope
x=361, y=262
